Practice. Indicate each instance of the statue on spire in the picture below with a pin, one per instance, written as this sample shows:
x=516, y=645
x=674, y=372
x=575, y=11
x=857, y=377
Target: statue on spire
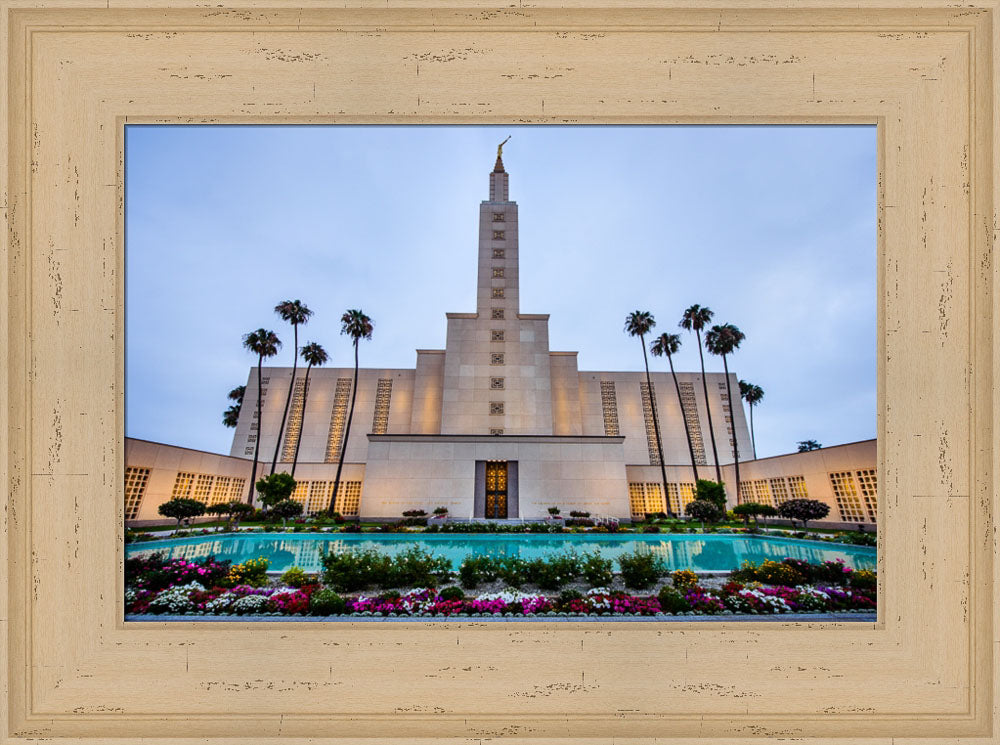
x=498, y=167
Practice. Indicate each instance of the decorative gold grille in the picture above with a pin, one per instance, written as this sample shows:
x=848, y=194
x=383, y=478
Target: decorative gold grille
x=220, y=490
x=182, y=485
x=746, y=492
x=498, y=235
x=499, y=253
x=689, y=406
x=300, y=492
x=498, y=217
x=338, y=419
x=498, y=292
x=136, y=479
x=779, y=490
x=496, y=335
x=237, y=487
x=496, y=384
x=496, y=359
x=294, y=426
x=348, y=498
x=496, y=489
x=203, y=487
x=319, y=496
x=645, y=497
x=496, y=314
x=797, y=487
x=647, y=410
x=868, y=480
x=609, y=406
x=498, y=272
x=845, y=491
x=762, y=492
x=383, y=394
x=496, y=408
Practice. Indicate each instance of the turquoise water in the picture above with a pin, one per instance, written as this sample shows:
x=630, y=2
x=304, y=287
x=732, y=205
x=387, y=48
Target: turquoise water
x=701, y=553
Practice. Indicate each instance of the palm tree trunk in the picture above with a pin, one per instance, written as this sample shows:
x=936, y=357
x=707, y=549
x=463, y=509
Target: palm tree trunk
x=732, y=416
x=298, y=438
x=347, y=433
x=687, y=430
x=753, y=440
x=708, y=409
x=656, y=427
x=256, y=447
x=288, y=398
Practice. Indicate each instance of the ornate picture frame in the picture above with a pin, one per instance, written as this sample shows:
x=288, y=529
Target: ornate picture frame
x=78, y=72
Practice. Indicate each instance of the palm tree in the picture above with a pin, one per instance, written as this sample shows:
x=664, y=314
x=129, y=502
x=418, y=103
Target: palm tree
x=724, y=340
x=753, y=395
x=231, y=416
x=807, y=445
x=312, y=354
x=263, y=343
x=667, y=345
x=358, y=326
x=695, y=319
x=295, y=313
x=639, y=323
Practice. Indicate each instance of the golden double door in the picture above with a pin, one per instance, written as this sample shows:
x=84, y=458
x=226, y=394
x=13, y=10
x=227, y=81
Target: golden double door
x=496, y=490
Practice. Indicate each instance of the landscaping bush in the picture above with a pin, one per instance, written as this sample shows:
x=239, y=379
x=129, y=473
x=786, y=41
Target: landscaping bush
x=684, y=579
x=555, y=571
x=414, y=513
x=597, y=570
x=672, y=601
x=451, y=593
x=704, y=511
x=415, y=567
x=274, y=488
x=353, y=570
x=803, y=510
x=326, y=603
x=863, y=579
x=553, y=510
x=579, y=522
x=577, y=513
x=252, y=572
x=181, y=508
x=651, y=529
x=640, y=569
x=712, y=491
x=295, y=577
x=770, y=573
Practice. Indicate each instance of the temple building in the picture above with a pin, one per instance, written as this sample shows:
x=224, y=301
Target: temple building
x=496, y=425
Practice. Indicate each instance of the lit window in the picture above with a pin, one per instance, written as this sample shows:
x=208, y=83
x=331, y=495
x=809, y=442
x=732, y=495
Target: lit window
x=496, y=408
x=135, y=487
x=496, y=335
x=496, y=359
x=498, y=292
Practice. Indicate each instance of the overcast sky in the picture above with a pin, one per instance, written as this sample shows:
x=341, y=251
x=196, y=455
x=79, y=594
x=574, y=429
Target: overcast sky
x=771, y=227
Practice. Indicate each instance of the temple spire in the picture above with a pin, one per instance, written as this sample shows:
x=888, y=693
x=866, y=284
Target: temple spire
x=498, y=166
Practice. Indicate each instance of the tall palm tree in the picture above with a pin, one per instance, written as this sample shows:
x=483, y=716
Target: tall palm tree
x=667, y=345
x=312, y=354
x=695, y=319
x=358, y=326
x=295, y=313
x=264, y=344
x=753, y=395
x=639, y=323
x=231, y=416
x=724, y=340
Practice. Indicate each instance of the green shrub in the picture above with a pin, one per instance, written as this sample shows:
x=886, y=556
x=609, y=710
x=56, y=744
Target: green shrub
x=770, y=573
x=597, y=570
x=640, y=569
x=390, y=595
x=295, y=577
x=862, y=579
x=567, y=595
x=474, y=570
x=684, y=579
x=451, y=593
x=252, y=572
x=354, y=570
x=326, y=603
x=555, y=571
x=672, y=601
x=416, y=567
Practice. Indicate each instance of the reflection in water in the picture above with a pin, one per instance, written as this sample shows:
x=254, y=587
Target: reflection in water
x=701, y=553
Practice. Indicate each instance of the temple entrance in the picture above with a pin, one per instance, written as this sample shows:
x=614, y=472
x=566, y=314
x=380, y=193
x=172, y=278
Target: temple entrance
x=496, y=490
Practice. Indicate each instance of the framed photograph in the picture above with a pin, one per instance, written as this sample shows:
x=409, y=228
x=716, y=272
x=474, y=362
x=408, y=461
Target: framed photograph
x=502, y=541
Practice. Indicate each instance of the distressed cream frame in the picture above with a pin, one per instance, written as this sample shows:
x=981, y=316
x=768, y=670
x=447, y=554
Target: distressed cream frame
x=78, y=70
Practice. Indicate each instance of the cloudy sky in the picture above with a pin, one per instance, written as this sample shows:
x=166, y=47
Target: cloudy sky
x=771, y=227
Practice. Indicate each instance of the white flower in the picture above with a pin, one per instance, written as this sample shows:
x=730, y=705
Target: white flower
x=249, y=604
x=176, y=599
x=599, y=591
x=509, y=596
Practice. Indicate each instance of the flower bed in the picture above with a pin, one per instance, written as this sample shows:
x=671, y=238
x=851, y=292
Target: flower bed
x=155, y=586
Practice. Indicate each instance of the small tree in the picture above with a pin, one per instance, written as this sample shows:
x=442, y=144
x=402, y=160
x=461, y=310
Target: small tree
x=748, y=510
x=218, y=510
x=704, y=511
x=181, y=508
x=804, y=510
x=277, y=487
x=711, y=491
x=285, y=509
x=237, y=510
x=767, y=510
